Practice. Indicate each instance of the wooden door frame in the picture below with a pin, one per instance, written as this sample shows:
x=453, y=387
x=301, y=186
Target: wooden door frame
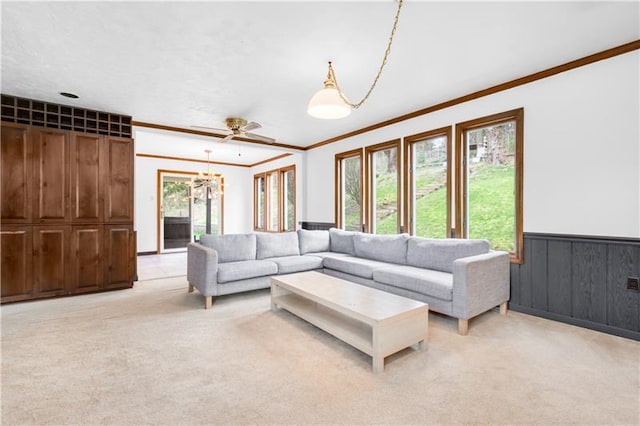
x=159, y=198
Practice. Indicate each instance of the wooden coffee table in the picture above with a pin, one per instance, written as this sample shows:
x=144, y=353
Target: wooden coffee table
x=376, y=322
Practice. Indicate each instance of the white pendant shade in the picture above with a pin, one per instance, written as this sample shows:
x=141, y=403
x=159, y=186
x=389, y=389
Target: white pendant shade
x=328, y=104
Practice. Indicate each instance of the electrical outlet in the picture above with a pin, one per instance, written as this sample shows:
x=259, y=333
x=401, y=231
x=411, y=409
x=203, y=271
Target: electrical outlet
x=633, y=283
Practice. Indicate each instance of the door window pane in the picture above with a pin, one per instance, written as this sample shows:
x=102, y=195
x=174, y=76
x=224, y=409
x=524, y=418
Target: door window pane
x=429, y=187
x=208, y=199
x=491, y=185
x=176, y=211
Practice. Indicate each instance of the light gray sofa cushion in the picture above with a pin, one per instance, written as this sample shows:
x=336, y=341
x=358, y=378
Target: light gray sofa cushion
x=424, y=281
x=324, y=254
x=354, y=265
x=439, y=254
x=234, y=271
x=342, y=241
x=231, y=247
x=291, y=264
x=386, y=248
x=313, y=241
x=277, y=245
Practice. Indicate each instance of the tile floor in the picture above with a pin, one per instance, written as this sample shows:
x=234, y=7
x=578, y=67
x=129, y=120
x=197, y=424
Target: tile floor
x=156, y=266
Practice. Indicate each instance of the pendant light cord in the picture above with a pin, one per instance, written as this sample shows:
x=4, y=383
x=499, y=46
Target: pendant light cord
x=384, y=62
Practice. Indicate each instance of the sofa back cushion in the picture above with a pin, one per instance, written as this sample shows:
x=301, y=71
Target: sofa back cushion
x=313, y=241
x=385, y=248
x=277, y=245
x=231, y=247
x=439, y=254
x=342, y=241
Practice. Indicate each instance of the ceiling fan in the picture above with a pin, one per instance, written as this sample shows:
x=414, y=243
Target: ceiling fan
x=239, y=127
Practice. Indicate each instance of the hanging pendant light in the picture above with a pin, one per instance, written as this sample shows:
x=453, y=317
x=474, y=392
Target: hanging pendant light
x=330, y=103
x=327, y=102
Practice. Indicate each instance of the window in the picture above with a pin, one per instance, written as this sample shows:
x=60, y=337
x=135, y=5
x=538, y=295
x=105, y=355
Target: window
x=274, y=200
x=288, y=204
x=272, y=204
x=382, y=169
x=477, y=194
x=489, y=181
x=258, y=202
x=427, y=193
x=348, y=190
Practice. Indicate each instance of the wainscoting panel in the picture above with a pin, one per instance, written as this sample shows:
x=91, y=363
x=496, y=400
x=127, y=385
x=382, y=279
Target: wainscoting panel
x=317, y=226
x=579, y=280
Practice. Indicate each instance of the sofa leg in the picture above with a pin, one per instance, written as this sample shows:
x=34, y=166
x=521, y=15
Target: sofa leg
x=190, y=288
x=208, y=302
x=463, y=327
x=503, y=308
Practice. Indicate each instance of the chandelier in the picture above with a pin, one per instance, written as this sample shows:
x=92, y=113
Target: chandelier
x=330, y=103
x=208, y=181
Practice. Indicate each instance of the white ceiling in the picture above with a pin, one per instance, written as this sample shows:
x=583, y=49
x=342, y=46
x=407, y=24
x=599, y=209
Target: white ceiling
x=195, y=63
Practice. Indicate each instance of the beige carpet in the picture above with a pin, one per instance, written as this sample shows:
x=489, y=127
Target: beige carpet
x=153, y=355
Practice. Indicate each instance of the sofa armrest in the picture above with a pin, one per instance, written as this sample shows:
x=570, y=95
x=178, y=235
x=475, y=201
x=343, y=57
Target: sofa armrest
x=480, y=283
x=202, y=269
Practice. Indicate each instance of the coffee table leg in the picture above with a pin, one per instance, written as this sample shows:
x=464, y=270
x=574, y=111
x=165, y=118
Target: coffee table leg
x=377, y=355
x=378, y=364
x=274, y=294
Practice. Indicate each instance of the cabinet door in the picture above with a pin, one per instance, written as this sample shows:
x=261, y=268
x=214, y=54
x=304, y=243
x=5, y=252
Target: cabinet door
x=87, y=271
x=51, y=176
x=118, y=180
x=119, y=256
x=16, y=261
x=51, y=260
x=85, y=176
x=15, y=162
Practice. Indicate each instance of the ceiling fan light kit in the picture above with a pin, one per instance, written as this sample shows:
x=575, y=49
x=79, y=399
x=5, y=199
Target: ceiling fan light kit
x=330, y=103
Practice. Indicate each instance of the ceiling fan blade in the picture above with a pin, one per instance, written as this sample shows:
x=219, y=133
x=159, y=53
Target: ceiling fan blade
x=226, y=138
x=211, y=129
x=250, y=126
x=259, y=137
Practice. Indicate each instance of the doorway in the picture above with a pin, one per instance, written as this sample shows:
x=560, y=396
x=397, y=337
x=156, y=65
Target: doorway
x=187, y=209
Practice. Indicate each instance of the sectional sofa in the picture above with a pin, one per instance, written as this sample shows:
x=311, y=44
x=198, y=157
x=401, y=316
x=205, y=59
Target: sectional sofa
x=456, y=277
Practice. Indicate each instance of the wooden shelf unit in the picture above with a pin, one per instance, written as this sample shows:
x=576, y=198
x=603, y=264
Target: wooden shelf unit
x=64, y=117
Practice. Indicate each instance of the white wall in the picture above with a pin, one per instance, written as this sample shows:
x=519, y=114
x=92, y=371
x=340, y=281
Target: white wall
x=581, y=149
x=238, y=200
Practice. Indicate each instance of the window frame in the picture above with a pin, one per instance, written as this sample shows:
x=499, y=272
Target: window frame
x=268, y=202
x=338, y=195
x=368, y=176
x=461, y=207
x=409, y=141
x=283, y=197
x=260, y=227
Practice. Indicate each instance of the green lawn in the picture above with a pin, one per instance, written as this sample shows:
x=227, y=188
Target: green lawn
x=491, y=208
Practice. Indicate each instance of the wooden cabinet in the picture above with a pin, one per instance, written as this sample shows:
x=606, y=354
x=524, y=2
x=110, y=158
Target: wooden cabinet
x=16, y=168
x=118, y=180
x=16, y=255
x=67, y=212
x=86, y=169
x=51, y=260
x=119, y=251
x=87, y=270
x=51, y=176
